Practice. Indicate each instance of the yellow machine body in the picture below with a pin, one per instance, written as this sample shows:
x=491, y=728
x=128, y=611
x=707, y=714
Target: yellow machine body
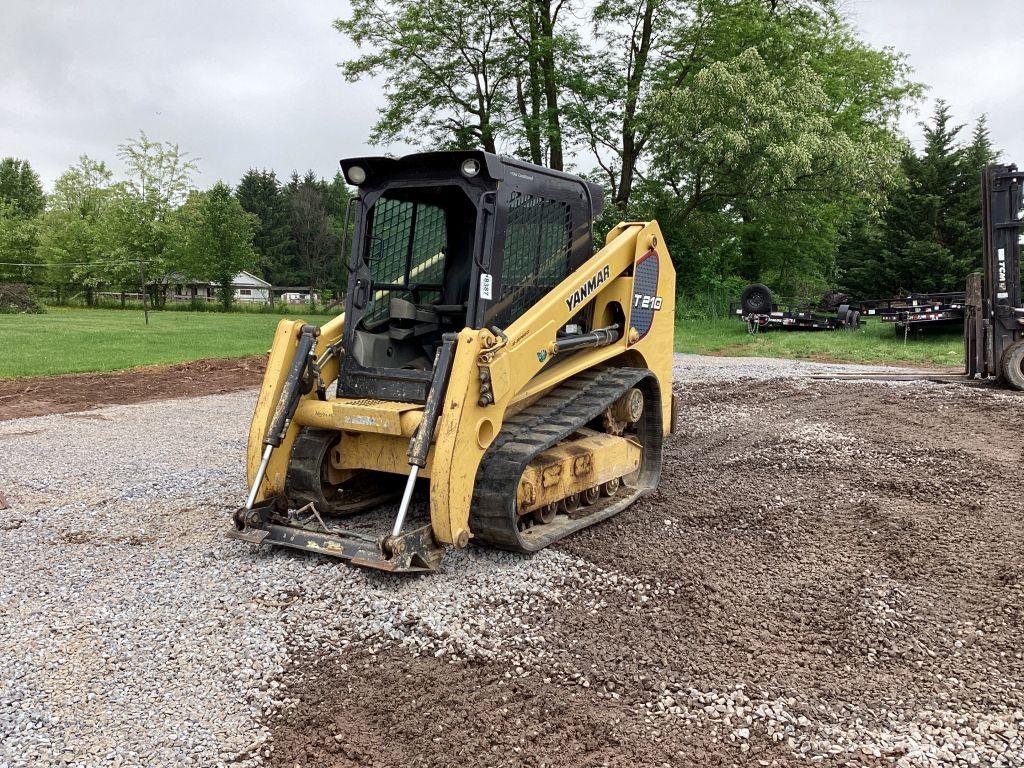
x=519, y=369
x=550, y=391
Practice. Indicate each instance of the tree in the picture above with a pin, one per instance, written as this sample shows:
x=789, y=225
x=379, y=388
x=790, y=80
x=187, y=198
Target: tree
x=542, y=46
x=82, y=188
x=446, y=82
x=463, y=75
x=496, y=74
x=21, y=200
x=977, y=154
x=159, y=173
x=859, y=270
x=259, y=193
x=336, y=202
x=607, y=92
x=932, y=226
x=336, y=197
x=751, y=153
x=128, y=233
x=543, y=92
x=20, y=189
x=215, y=238
x=652, y=46
x=137, y=229
x=18, y=238
x=71, y=230
x=312, y=231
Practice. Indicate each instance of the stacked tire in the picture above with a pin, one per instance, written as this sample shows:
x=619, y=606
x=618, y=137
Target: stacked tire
x=757, y=299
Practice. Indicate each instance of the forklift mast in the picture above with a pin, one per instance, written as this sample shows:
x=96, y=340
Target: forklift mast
x=995, y=325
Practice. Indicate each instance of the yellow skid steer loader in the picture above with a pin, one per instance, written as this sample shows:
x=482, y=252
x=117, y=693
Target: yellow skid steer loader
x=492, y=378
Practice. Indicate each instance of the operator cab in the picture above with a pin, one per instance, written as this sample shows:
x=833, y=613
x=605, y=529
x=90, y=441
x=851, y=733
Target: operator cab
x=445, y=241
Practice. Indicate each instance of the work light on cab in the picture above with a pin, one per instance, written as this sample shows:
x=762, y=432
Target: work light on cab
x=356, y=175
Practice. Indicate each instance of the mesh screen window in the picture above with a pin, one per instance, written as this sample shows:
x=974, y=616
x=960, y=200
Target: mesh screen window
x=407, y=248
x=536, y=253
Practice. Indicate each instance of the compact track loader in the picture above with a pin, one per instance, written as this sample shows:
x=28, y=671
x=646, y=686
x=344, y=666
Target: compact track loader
x=492, y=378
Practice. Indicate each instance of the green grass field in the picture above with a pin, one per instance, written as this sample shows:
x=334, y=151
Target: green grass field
x=873, y=342
x=87, y=340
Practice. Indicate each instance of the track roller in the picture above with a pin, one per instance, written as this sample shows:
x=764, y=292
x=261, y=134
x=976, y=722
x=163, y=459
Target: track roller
x=611, y=487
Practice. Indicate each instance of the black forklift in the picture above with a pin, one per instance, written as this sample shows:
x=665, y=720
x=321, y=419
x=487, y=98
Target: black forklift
x=994, y=315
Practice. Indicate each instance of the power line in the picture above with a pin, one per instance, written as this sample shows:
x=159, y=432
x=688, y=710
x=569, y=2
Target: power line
x=70, y=263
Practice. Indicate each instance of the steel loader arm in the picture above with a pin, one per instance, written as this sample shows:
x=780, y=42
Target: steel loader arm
x=282, y=355
x=512, y=370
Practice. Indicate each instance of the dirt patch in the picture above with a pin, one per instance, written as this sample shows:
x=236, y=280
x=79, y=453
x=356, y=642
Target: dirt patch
x=20, y=398
x=731, y=350
x=844, y=543
x=92, y=537
x=830, y=571
x=916, y=365
x=390, y=708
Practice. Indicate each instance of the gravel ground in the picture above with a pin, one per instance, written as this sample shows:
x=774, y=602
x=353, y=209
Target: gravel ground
x=831, y=574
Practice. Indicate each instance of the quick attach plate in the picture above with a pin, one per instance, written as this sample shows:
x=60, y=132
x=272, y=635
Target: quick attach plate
x=415, y=551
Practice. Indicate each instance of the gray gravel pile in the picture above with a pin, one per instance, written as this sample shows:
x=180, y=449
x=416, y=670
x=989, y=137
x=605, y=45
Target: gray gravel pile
x=702, y=369
x=132, y=633
x=135, y=634
x=932, y=738
x=120, y=625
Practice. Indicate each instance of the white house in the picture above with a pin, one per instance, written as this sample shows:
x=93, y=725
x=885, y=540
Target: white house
x=248, y=287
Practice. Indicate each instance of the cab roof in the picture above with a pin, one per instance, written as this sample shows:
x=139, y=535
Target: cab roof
x=434, y=166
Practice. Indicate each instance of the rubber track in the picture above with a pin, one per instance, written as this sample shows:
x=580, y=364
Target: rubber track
x=303, y=483
x=567, y=408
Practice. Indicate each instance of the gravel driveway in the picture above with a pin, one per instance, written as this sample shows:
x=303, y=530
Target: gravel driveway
x=831, y=574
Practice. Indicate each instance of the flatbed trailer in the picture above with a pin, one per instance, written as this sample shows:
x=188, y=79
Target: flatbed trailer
x=798, y=318
x=918, y=310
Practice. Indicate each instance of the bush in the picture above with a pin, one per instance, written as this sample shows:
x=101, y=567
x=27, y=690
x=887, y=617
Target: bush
x=16, y=299
x=711, y=299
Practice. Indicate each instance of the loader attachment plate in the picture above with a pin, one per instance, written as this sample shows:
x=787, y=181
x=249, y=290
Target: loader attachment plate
x=250, y=535
x=415, y=551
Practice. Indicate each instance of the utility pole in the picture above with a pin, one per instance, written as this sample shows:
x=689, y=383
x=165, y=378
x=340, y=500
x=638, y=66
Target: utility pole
x=142, y=279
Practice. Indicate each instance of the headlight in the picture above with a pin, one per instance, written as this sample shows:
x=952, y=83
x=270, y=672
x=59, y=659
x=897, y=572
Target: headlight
x=470, y=167
x=356, y=175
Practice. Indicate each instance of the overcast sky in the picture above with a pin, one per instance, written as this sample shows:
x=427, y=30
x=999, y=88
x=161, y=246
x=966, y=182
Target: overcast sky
x=255, y=82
